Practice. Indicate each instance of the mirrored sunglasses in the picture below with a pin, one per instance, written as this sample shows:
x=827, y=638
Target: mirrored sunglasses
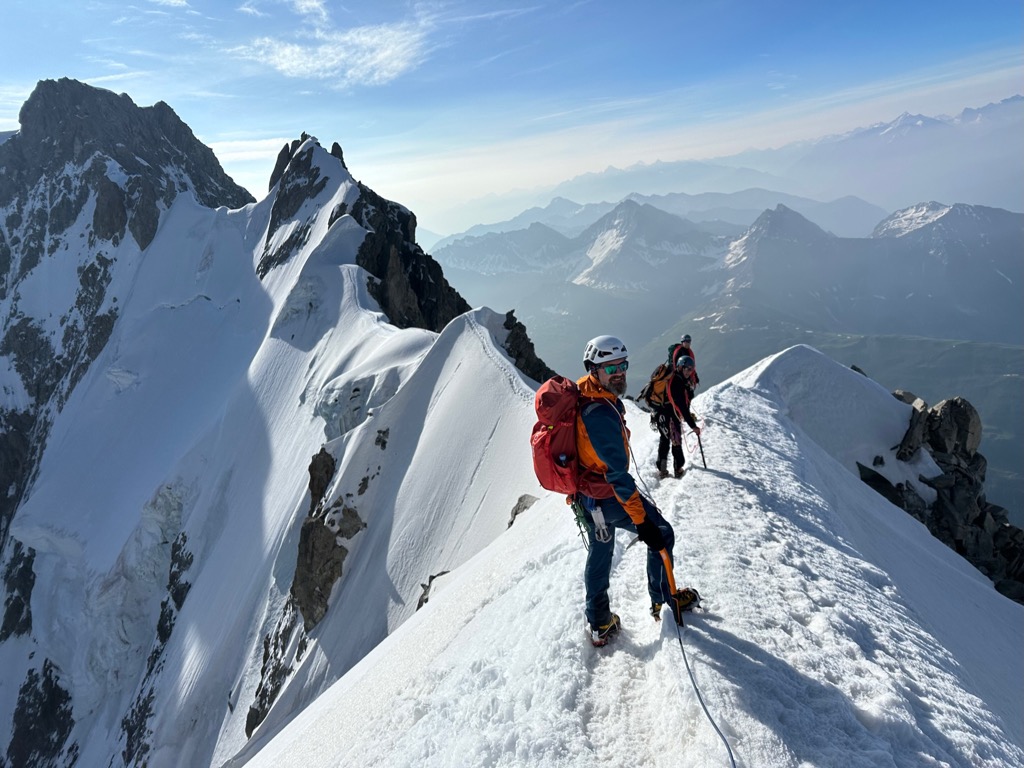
x=610, y=369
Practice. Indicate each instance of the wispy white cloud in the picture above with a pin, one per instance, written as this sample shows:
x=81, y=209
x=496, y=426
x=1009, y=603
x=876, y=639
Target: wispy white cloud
x=504, y=13
x=248, y=149
x=372, y=55
x=171, y=3
x=108, y=63
x=250, y=8
x=315, y=9
x=119, y=77
x=780, y=81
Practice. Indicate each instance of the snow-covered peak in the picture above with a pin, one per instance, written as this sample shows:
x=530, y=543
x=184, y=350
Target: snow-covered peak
x=907, y=220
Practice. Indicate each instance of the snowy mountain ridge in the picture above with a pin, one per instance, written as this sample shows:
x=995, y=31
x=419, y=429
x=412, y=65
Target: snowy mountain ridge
x=292, y=433
x=910, y=219
x=826, y=641
x=161, y=549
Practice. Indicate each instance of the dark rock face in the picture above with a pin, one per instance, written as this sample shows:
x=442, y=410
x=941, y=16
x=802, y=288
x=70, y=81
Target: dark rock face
x=65, y=121
x=410, y=286
x=321, y=554
x=42, y=721
x=135, y=732
x=520, y=349
x=275, y=668
x=960, y=517
x=411, y=289
x=300, y=180
x=317, y=567
x=19, y=578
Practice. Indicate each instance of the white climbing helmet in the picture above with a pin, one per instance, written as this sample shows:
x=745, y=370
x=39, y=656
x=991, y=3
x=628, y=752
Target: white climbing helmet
x=603, y=348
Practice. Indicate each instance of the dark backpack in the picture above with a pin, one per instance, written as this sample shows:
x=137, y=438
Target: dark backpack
x=676, y=351
x=655, y=392
x=553, y=441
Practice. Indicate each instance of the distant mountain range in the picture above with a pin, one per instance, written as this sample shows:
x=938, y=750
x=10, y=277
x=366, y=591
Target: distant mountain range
x=716, y=212
x=974, y=157
x=940, y=272
x=934, y=270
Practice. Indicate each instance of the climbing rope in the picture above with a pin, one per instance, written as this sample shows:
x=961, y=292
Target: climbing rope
x=672, y=588
x=700, y=698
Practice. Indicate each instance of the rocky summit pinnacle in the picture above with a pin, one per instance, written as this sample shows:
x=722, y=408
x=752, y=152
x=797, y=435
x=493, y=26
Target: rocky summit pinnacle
x=65, y=121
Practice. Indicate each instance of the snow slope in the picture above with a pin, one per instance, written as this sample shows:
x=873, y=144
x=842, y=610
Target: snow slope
x=166, y=514
x=838, y=631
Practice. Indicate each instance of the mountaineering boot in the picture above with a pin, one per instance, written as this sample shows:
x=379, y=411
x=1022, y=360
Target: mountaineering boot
x=684, y=600
x=600, y=636
x=662, y=469
x=656, y=611
x=680, y=471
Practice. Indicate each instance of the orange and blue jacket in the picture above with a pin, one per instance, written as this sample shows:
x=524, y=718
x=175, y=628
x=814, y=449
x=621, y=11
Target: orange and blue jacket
x=602, y=445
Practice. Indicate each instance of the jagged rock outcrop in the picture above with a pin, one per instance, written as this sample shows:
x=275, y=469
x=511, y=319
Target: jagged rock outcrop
x=520, y=349
x=321, y=556
x=524, y=502
x=410, y=286
x=43, y=721
x=425, y=596
x=19, y=579
x=275, y=668
x=412, y=289
x=65, y=121
x=961, y=516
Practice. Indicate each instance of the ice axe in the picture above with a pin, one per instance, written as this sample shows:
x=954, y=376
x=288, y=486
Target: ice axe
x=701, y=451
x=677, y=612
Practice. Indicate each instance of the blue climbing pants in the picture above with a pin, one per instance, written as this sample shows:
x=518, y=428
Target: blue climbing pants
x=599, y=558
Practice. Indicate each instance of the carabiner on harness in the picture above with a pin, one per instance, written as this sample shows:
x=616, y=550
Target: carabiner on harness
x=601, y=530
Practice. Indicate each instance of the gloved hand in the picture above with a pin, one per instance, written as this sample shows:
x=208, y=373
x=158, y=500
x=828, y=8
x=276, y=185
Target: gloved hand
x=650, y=535
x=696, y=431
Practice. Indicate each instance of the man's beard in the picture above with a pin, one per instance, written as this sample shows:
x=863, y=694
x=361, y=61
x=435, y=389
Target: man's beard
x=617, y=387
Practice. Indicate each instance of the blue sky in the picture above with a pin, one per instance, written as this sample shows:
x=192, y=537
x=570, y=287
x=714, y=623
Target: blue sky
x=439, y=103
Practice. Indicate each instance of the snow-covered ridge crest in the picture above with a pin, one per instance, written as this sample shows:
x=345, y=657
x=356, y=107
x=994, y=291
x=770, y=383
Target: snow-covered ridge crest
x=828, y=640
x=166, y=516
x=907, y=220
x=802, y=381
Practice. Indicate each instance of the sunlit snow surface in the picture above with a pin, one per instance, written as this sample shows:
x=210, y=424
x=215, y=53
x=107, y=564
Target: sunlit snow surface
x=837, y=631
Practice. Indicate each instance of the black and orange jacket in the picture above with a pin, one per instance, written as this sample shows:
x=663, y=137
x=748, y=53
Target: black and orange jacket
x=679, y=396
x=602, y=444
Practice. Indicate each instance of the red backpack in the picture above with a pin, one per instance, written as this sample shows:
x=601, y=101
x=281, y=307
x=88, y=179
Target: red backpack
x=554, y=435
x=555, y=458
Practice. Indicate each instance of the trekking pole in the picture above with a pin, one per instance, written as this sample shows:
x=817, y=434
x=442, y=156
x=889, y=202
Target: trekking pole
x=672, y=586
x=701, y=451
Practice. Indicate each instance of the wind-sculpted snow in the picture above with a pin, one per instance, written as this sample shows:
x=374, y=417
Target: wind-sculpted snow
x=838, y=631
x=434, y=475
x=839, y=414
